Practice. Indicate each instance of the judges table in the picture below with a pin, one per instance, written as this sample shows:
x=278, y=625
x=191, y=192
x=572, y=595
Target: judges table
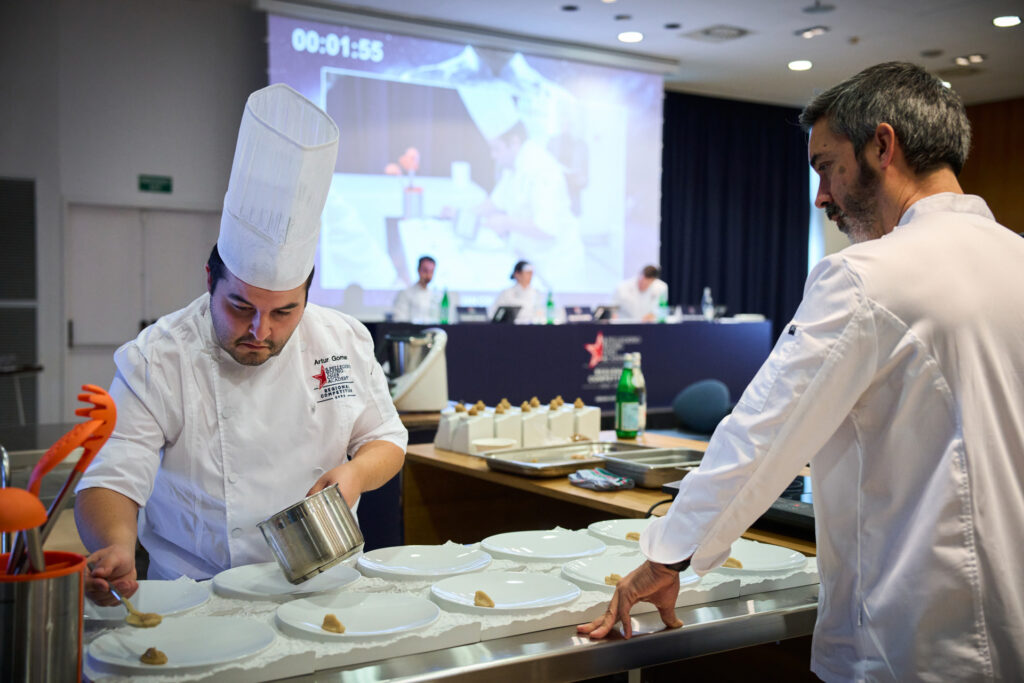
x=489, y=361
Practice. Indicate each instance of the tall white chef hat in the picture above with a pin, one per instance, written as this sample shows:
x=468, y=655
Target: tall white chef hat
x=284, y=161
x=491, y=106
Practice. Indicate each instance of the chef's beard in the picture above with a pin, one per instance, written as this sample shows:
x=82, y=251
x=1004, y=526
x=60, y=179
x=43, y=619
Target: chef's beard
x=248, y=357
x=859, y=221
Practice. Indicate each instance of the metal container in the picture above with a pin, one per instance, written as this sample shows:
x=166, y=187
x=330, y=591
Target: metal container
x=407, y=351
x=557, y=461
x=41, y=621
x=655, y=467
x=313, y=535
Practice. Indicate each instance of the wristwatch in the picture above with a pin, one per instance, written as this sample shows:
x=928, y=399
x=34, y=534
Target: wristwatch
x=680, y=566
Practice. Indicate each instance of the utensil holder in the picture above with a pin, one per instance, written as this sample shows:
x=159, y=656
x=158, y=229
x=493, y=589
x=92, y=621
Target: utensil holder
x=41, y=621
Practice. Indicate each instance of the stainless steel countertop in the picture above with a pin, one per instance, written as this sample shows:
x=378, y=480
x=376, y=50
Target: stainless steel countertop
x=561, y=655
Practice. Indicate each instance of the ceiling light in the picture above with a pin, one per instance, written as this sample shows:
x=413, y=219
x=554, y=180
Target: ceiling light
x=607, y=2
x=1007, y=21
x=799, y=65
x=631, y=37
x=811, y=32
x=961, y=61
x=818, y=8
x=947, y=84
x=975, y=59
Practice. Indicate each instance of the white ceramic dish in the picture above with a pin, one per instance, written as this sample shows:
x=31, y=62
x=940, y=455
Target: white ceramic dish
x=589, y=572
x=265, y=581
x=422, y=561
x=555, y=545
x=512, y=592
x=480, y=446
x=364, y=615
x=763, y=558
x=190, y=643
x=615, y=530
x=160, y=597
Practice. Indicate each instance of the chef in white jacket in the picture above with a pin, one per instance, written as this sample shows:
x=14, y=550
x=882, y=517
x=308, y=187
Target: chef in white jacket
x=248, y=399
x=901, y=380
x=522, y=294
x=418, y=303
x=638, y=298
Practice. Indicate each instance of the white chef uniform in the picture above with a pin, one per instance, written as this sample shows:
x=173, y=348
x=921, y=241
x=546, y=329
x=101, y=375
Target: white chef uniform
x=902, y=376
x=530, y=301
x=634, y=304
x=416, y=304
x=535, y=189
x=209, y=447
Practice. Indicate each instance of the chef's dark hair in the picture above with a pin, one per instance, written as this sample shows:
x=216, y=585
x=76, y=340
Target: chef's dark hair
x=518, y=269
x=217, y=270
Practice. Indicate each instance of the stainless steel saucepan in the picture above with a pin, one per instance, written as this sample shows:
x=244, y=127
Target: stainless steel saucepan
x=313, y=535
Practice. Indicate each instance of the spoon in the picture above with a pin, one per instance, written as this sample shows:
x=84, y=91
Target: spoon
x=135, y=617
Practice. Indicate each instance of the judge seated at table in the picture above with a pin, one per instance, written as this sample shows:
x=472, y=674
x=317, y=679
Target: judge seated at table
x=529, y=300
x=638, y=298
x=418, y=303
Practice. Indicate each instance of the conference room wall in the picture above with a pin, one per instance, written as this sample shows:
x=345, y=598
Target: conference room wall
x=995, y=167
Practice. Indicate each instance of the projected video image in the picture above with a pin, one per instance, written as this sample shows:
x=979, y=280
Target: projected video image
x=479, y=158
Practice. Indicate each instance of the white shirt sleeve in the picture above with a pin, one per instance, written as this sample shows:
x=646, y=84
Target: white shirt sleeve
x=379, y=420
x=807, y=387
x=403, y=307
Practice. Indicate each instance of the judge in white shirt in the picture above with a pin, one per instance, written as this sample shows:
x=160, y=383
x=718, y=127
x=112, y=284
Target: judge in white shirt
x=416, y=303
x=521, y=294
x=637, y=299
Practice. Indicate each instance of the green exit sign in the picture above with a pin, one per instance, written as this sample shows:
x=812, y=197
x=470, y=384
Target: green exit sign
x=155, y=183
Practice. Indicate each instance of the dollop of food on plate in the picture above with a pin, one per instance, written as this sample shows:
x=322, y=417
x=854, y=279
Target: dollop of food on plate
x=553, y=405
x=481, y=599
x=559, y=400
x=332, y=624
x=535, y=402
x=153, y=656
x=480, y=405
x=472, y=411
x=499, y=409
x=460, y=408
x=525, y=407
x=578, y=403
x=733, y=563
x=143, y=619
x=633, y=536
x=613, y=579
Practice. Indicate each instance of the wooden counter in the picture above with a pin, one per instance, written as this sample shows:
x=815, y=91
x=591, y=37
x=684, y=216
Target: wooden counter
x=451, y=496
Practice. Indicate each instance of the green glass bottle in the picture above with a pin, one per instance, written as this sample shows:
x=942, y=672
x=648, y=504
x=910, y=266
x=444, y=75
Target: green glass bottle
x=662, y=308
x=444, y=308
x=551, y=308
x=627, y=404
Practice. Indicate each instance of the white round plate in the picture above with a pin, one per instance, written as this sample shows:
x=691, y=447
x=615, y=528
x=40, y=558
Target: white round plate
x=615, y=530
x=422, y=561
x=190, y=643
x=364, y=615
x=556, y=545
x=265, y=581
x=161, y=597
x=512, y=592
x=589, y=572
x=761, y=558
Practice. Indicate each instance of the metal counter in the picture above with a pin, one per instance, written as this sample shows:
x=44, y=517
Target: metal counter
x=561, y=655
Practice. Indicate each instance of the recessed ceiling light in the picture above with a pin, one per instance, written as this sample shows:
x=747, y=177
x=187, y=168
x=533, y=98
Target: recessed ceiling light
x=1007, y=21
x=631, y=37
x=811, y=32
x=947, y=84
x=607, y=2
x=799, y=65
x=961, y=61
x=975, y=59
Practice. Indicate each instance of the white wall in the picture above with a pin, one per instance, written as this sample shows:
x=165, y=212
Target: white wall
x=92, y=94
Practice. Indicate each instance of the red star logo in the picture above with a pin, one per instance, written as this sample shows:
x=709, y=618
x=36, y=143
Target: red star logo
x=322, y=377
x=596, y=350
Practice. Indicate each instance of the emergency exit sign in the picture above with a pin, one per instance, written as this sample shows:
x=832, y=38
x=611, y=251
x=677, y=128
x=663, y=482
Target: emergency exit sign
x=155, y=183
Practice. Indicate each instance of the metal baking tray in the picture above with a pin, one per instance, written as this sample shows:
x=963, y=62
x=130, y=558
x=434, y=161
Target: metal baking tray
x=655, y=467
x=559, y=460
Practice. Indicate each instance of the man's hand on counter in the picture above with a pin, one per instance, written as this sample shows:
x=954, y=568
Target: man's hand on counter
x=650, y=582
x=111, y=565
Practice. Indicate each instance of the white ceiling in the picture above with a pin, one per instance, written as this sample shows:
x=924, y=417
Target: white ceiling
x=863, y=32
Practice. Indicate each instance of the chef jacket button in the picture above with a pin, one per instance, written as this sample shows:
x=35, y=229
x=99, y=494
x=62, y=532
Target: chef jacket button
x=312, y=407
x=233, y=478
x=236, y=533
x=225, y=413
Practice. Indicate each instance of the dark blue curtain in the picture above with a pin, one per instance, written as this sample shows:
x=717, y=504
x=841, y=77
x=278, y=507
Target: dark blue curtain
x=734, y=205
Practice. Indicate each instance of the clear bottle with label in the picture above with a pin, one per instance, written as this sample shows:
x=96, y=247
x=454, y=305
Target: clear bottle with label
x=550, y=309
x=707, y=305
x=445, y=308
x=641, y=389
x=627, y=404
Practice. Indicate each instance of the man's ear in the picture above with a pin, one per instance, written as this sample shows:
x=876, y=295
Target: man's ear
x=886, y=144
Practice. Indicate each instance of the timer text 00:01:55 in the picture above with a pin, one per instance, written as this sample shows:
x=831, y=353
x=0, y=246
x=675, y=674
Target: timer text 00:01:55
x=332, y=44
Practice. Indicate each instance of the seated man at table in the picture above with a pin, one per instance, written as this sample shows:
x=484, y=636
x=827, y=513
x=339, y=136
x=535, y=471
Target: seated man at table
x=638, y=298
x=417, y=303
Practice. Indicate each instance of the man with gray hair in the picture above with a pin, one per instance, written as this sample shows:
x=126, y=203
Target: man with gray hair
x=900, y=378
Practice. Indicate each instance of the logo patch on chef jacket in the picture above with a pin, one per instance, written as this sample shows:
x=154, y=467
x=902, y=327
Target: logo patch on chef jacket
x=333, y=379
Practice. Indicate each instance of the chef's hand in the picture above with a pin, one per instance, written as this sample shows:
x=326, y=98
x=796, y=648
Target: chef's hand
x=111, y=565
x=650, y=582
x=347, y=479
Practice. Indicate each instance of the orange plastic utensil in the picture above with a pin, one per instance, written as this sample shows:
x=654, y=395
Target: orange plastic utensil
x=20, y=510
x=58, y=451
